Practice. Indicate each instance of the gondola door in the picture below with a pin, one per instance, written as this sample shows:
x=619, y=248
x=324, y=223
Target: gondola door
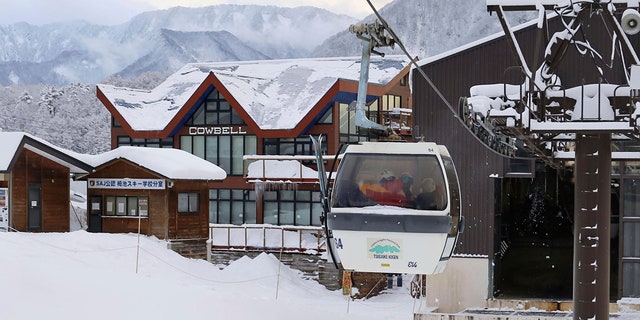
x=34, y=218
x=95, y=214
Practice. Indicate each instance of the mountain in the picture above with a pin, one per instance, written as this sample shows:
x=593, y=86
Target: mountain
x=53, y=64
x=426, y=27
x=176, y=48
x=63, y=53
x=164, y=40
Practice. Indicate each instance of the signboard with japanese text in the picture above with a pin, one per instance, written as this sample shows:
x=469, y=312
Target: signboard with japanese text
x=126, y=183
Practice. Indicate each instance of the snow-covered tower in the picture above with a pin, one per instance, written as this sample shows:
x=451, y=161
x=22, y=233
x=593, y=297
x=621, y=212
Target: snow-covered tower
x=542, y=117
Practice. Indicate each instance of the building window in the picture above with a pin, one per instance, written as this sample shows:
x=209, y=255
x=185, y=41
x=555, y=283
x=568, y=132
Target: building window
x=292, y=207
x=403, y=81
x=349, y=132
x=115, y=123
x=327, y=117
x=292, y=147
x=223, y=151
x=387, y=103
x=288, y=146
x=131, y=206
x=215, y=110
x=232, y=206
x=188, y=202
x=150, y=143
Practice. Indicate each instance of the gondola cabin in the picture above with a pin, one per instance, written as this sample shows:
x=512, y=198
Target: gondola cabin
x=395, y=208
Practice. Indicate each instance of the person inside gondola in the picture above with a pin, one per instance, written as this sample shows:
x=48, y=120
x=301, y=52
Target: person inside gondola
x=407, y=185
x=351, y=196
x=429, y=197
x=388, y=191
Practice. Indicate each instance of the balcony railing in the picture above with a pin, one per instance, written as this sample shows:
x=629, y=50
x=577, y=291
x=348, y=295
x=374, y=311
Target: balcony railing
x=271, y=238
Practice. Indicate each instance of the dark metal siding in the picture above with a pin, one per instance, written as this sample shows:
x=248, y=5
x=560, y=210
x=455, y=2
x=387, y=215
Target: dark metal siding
x=486, y=63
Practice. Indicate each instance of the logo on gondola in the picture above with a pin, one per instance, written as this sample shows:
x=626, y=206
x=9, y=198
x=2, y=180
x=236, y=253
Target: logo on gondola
x=384, y=249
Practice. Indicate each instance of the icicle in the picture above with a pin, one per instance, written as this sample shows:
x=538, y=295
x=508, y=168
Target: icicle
x=258, y=187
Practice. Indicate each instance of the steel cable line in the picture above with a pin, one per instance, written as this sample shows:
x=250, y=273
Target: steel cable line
x=433, y=86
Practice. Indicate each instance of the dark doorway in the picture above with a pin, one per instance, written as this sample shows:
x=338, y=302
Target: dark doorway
x=95, y=214
x=34, y=216
x=534, y=249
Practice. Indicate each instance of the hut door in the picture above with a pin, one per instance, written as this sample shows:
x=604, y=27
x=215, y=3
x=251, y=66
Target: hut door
x=35, y=208
x=95, y=214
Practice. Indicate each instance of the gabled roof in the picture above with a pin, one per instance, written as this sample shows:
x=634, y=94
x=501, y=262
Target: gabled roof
x=173, y=164
x=13, y=142
x=269, y=94
x=170, y=163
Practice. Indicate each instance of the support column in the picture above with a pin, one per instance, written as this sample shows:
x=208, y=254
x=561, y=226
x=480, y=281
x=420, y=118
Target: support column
x=592, y=220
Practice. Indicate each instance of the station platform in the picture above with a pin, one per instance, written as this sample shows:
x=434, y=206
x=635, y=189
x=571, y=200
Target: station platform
x=499, y=309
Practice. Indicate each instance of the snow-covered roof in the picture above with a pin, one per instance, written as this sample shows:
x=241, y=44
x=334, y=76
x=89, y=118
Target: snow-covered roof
x=171, y=163
x=276, y=94
x=280, y=169
x=12, y=142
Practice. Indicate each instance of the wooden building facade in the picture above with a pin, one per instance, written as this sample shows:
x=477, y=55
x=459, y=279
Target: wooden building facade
x=147, y=190
x=34, y=176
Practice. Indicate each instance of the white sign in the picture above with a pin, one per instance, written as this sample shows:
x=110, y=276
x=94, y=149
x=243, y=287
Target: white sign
x=207, y=131
x=126, y=183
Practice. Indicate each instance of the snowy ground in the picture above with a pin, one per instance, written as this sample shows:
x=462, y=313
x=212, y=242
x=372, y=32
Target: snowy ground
x=79, y=274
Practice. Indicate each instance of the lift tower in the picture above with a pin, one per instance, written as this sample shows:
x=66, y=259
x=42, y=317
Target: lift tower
x=556, y=123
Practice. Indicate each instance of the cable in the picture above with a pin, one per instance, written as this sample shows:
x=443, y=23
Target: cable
x=433, y=86
x=67, y=249
x=413, y=62
x=143, y=249
x=205, y=279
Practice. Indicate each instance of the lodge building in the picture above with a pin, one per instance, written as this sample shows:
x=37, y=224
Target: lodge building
x=227, y=112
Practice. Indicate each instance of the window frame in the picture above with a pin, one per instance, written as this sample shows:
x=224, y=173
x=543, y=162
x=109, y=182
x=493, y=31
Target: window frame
x=213, y=111
x=297, y=202
x=150, y=143
x=209, y=148
x=111, y=206
x=229, y=206
x=189, y=198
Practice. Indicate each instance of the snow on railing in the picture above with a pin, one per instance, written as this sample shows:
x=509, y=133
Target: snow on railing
x=283, y=168
x=259, y=237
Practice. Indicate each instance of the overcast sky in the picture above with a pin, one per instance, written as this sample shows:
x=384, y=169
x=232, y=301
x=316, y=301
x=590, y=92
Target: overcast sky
x=110, y=12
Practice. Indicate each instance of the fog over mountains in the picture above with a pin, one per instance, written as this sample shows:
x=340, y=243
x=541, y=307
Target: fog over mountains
x=165, y=40
x=427, y=27
x=48, y=73
x=162, y=40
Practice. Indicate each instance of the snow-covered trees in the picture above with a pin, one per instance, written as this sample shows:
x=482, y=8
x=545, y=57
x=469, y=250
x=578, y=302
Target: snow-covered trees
x=70, y=117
